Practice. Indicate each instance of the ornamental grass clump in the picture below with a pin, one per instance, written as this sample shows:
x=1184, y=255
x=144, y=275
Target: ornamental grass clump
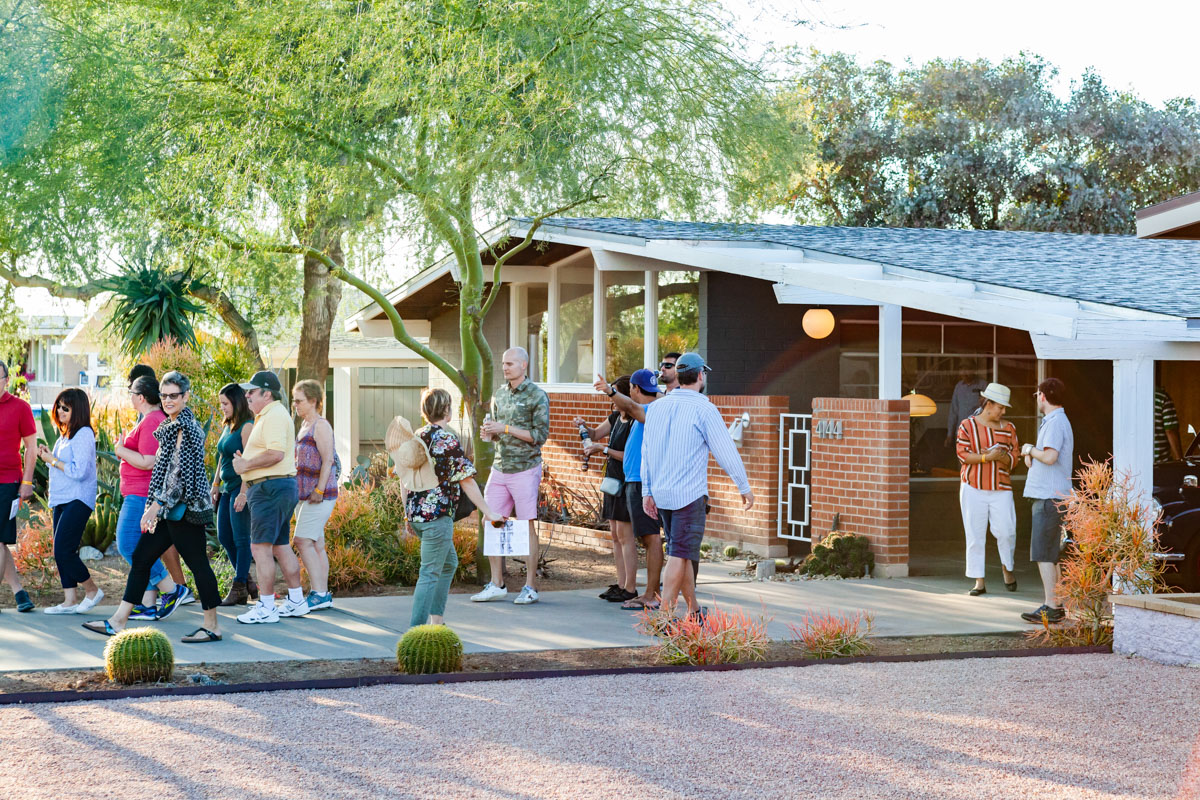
x=844, y=555
x=720, y=637
x=830, y=635
x=429, y=649
x=1114, y=541
x=139, y=654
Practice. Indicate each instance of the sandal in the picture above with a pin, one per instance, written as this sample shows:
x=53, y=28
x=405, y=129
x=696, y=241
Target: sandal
x=638, y=604
x=200, y=636
x=101, y=626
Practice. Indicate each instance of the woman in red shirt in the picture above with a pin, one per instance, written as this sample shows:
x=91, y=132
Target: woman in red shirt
x=988, y=450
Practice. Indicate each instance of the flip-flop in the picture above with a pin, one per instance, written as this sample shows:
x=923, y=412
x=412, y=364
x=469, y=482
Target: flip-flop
x=639, y=605
x=201, y=636
x=101, y=626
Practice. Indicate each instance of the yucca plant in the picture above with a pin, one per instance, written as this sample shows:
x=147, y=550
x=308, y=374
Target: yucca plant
x=151, y=305
x=139, y=654
x=429, y=649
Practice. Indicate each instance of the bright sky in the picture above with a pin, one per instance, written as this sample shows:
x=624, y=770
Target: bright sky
x=1148, y=47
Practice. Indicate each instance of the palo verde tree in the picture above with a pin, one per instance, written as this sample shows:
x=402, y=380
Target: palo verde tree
x=437, y=117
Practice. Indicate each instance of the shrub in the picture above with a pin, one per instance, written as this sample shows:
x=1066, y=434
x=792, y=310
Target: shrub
x=1114, y=546
x=830, y=635
x=429, y=649
x=222, y=569
x=34, y=555
x=139, y=654
x=721, y=637
x=845, y=555
x=731, y=551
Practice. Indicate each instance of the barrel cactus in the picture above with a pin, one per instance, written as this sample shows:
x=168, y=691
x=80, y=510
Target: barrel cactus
x=427, y=649
x=731, y=551
x=139, y=654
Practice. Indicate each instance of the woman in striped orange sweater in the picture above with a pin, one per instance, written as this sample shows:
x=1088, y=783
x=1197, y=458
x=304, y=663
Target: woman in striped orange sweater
x=988, y=450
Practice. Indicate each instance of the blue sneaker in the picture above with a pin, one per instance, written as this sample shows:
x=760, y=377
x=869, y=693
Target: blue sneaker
x=167, y=603
x=24, y=604
x=142, y=612
x=316, y=600
x=188, y=598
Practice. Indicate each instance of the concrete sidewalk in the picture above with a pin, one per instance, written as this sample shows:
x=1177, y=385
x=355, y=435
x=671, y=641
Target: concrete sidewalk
x=368, y=627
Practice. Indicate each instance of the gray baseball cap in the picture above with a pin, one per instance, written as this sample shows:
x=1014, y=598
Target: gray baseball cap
x=691, y=362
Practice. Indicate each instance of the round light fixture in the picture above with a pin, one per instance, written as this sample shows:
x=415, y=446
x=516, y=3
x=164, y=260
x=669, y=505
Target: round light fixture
x=817, y=322
x=919, y=405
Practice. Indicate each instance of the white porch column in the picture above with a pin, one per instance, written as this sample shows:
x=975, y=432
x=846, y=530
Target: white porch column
x=1133, y=421
x=518, y=305
x=890, y=334
x=650, y=354
x=553, y=305
x=599, y=343
x=345, y=416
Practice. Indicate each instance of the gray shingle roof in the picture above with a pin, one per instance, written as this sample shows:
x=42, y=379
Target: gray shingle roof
x=1145, y=274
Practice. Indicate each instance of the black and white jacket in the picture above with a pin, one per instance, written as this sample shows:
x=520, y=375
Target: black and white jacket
x=179, y=475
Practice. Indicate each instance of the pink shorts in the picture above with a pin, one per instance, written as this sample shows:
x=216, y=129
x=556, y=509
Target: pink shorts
x=518, y=491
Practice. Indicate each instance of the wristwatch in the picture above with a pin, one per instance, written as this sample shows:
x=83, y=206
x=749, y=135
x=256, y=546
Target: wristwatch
x=605, y=449
x=612, y=391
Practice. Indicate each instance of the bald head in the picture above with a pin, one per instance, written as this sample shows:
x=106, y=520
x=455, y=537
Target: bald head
x=515, y=365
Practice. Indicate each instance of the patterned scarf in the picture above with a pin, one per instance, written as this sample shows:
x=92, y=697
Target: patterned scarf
x=179, y=475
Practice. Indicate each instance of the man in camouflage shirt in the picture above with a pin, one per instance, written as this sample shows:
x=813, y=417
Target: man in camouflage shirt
x=520, y=425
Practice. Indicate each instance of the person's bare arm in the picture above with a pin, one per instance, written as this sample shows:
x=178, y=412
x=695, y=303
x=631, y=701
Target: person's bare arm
x=471, y=488
x=134, y=458
x=268, y=458
x=601, y=431
x=624, y=404
x=1173, y=444
x=31, y=458
x=323, y=434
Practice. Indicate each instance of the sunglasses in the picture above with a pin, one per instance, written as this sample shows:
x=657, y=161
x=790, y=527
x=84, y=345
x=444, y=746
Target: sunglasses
x=171, y=395
x=667, y=365
x=63, y=408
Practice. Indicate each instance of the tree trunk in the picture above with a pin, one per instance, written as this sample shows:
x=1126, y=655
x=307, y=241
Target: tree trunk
x=322, y=294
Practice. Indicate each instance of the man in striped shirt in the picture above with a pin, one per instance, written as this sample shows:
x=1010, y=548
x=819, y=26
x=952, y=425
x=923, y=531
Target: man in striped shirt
x=1166, y=428
x=681, y=430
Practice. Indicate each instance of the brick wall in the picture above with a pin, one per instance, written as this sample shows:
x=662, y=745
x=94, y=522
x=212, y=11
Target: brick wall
x=863, y=476
x=728, y=523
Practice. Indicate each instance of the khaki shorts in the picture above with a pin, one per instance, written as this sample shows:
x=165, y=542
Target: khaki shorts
x=311, y=519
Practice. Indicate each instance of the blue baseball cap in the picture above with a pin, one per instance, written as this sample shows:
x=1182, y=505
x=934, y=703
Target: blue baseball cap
x=644, y=379
x=690, y=362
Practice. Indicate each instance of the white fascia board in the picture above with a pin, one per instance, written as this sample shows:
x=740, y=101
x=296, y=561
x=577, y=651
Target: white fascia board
x=1053, y=347
x=801, y=296
x=1159, y=223
x=1149, y=330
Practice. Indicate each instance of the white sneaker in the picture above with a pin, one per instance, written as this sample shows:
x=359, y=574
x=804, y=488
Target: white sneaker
x=290, y=609
x=528, y=595
x=489, y=593
x=61, y=608
x=260, y=613
x=88, y=603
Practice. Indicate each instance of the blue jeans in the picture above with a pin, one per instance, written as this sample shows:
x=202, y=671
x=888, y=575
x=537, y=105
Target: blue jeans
x=233, y=532
x=129, y=533
x=439, y=562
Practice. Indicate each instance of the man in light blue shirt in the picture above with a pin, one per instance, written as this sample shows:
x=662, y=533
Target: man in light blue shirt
x=681, y=430
x=1050, y=463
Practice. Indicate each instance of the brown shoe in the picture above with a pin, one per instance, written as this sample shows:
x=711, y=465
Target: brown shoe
x=252, y=588
x=237, y=595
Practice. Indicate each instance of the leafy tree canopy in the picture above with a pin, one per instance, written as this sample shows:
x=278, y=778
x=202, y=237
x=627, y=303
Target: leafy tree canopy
x=986, y=145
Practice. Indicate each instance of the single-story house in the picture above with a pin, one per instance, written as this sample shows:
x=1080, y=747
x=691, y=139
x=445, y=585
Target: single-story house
x=832, y=444
x=52, y=365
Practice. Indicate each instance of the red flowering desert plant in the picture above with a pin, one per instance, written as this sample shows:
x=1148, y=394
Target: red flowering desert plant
x=1115, y=539
x=34, y=555
x=720, y=637
x=830, y=635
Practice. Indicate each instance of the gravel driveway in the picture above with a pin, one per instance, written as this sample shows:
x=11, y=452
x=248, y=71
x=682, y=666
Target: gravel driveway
x=1094, y=726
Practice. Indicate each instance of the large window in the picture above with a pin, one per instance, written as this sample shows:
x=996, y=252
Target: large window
x=935, y=358
x=678, y=320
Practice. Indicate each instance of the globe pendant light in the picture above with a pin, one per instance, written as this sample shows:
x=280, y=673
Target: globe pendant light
x=920, y=405
x=817, y=322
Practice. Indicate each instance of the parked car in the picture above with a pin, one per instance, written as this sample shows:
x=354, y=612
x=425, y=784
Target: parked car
x=1177, y=490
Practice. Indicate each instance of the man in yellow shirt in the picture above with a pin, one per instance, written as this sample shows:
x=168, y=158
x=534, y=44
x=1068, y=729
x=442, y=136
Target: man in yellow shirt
x=268, y=470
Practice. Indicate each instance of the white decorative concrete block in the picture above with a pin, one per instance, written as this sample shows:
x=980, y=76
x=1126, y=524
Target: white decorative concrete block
x=1156, y=635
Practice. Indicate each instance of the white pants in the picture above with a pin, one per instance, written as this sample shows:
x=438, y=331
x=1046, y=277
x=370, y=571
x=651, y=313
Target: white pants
x=978, y=509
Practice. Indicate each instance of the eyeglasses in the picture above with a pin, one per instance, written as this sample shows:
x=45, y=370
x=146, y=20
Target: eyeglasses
x=63, y=408
x=171, y=395
x=667, y=365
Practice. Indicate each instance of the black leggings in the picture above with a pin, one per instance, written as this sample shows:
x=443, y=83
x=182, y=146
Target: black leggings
x=193, y=549
x=70, y=520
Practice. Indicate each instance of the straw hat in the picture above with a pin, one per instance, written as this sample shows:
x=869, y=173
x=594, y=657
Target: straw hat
x=414, y=466
x=998, y=393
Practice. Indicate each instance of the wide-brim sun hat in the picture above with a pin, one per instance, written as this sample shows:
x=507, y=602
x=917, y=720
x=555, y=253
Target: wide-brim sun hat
x=414, y=465
x=998, y=393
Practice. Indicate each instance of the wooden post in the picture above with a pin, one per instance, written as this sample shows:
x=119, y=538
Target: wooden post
x=650, y=352
x=345, y=417
x=890, y=336
x=1133, y=422
x=598, y=319
x=553, y=305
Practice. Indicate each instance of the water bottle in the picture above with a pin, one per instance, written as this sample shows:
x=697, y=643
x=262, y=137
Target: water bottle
x=486, y=419
x=586, y=438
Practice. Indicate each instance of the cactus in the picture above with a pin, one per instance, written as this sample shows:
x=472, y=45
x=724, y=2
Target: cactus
x=139, y=654
x=706, y=547
x=731, y=551
x=426, y=649
x=845, y=555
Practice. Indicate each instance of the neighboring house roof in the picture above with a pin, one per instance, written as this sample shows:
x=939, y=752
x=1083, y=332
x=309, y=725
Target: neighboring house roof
x=1156, y=276
x=348, y=349
x=48, y=326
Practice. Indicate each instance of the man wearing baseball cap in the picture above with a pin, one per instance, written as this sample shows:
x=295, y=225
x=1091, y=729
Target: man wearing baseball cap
x=643, y=390
x=268, y=470
x=681, y=430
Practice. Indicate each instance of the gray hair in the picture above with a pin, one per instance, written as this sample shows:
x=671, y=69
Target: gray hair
x=176, y=378
x=521, y=352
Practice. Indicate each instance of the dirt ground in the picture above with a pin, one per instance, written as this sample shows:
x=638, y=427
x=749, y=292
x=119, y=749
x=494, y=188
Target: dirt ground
x=568, y=567
x=609, y=657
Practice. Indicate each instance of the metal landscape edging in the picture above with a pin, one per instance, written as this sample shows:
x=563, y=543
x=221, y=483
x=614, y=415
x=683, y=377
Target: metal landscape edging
x=24, y=698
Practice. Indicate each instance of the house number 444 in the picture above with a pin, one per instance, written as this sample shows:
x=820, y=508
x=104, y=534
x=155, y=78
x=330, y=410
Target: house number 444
x=829, y=429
